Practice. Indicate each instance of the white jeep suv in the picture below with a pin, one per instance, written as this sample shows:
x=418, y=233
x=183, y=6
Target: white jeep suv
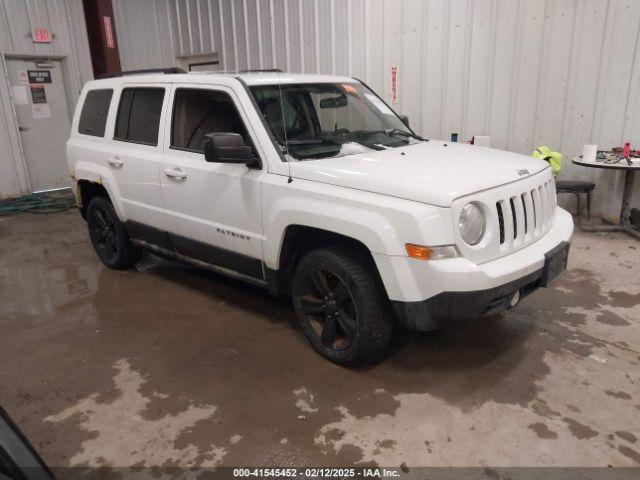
x=312, y=186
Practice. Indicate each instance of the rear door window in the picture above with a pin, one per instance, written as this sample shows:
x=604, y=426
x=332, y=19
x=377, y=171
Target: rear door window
x=93, y=117
x=139, y=115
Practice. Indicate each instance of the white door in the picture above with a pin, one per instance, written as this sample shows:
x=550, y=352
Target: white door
x=42, y=108
x=212, y=210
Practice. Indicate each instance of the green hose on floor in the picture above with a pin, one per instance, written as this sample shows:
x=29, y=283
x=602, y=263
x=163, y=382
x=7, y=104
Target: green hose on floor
x=44, y=202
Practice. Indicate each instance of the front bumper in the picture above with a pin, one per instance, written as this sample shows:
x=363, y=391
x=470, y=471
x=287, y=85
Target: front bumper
x=425, y=294
x=435, y=312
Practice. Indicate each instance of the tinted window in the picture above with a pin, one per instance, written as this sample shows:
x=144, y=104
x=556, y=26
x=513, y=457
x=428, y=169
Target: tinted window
x=139, y=115
x=93, y=117
x=198, y=112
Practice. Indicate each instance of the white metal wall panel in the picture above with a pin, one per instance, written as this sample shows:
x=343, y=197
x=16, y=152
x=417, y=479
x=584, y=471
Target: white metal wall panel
x=526, y=72
x=230, y=56
x=263, y=33
x=478, y=56
x=251, y=32
x=240, y=35
x=307, y=37
x=145, y=33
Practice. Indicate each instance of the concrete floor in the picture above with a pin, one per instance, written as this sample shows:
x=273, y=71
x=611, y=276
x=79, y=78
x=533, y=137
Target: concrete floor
x=168, y=365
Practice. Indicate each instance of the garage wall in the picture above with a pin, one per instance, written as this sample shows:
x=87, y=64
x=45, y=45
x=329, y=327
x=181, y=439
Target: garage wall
x=526, y=72
x=65, y=19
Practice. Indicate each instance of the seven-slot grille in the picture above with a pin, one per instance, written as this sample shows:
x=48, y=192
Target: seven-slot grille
x=527, y=215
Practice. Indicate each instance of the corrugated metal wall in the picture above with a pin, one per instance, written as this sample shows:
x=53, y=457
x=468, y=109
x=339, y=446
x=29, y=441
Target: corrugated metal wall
x=145, y=33
x=526, y=72
x=65, y=19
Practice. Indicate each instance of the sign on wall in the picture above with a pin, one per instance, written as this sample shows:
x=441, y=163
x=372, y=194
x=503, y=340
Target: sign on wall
x=394, y=84
x=39, y=76
x=108, y=32
x=38, y=94
x=20, y=95
x=41, y=35
x=40, y=110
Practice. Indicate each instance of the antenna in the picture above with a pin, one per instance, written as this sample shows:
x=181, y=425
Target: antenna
x=284, y=127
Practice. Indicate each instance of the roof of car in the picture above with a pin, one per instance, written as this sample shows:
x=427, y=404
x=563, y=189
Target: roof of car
x=268, y=78
x=250, y=78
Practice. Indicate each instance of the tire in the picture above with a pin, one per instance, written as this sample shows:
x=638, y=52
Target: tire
x=108, y=237
x=331, y=279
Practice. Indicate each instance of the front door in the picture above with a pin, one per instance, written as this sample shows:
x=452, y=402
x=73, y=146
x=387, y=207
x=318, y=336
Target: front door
x=42, y=108
x=212, y=210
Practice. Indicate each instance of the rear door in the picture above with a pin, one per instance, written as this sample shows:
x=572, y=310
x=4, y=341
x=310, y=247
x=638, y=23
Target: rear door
x=137, y=149
x=212, y=209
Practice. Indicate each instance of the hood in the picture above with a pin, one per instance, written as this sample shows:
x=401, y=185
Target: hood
x=432, y=172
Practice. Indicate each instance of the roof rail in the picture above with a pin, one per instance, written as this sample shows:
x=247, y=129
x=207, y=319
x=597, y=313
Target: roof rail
x=143, y=71
x=263, y=70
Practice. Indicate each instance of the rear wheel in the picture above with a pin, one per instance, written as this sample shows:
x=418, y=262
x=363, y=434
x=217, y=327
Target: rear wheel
x=341, y=306
x=108, y=237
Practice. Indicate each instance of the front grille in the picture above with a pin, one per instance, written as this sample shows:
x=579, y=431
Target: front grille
x=529, y=214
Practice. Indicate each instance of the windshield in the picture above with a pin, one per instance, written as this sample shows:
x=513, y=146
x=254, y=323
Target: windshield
x=321, y=120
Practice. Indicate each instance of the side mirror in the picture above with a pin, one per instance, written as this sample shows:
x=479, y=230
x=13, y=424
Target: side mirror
x=227, y=147
x=405, y=119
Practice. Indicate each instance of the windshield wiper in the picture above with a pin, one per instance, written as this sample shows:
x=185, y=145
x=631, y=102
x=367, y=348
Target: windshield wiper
x=348, y=137
x=392, y=131
x=373, y=146
x=397, y=131
x=313, y=141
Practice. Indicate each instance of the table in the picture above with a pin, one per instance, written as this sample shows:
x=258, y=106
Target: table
x=623, y=224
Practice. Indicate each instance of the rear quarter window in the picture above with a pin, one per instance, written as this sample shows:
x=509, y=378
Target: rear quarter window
x=93, y=117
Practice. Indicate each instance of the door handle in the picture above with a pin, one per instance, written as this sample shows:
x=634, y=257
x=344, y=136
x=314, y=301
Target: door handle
x=175, y=173
x=114, y=161
x=22, y=128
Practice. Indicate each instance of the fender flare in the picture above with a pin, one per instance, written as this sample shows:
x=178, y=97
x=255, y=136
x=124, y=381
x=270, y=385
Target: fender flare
x=368, y=227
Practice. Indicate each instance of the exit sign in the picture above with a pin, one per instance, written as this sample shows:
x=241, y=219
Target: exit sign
x=41, y=35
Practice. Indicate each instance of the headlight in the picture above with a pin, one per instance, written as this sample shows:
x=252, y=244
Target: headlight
x=472, y=223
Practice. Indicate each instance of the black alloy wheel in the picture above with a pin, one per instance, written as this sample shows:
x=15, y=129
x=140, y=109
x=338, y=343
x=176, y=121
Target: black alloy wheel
x=341, y=305
x=330, y=308
x=108, y=237
x=103, y=233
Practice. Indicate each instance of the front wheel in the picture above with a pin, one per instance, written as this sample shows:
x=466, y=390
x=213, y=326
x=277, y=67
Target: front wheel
x=108, y=237
x=341, y=307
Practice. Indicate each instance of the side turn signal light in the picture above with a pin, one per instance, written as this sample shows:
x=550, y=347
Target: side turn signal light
x=421, y=252
x=418, y=251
